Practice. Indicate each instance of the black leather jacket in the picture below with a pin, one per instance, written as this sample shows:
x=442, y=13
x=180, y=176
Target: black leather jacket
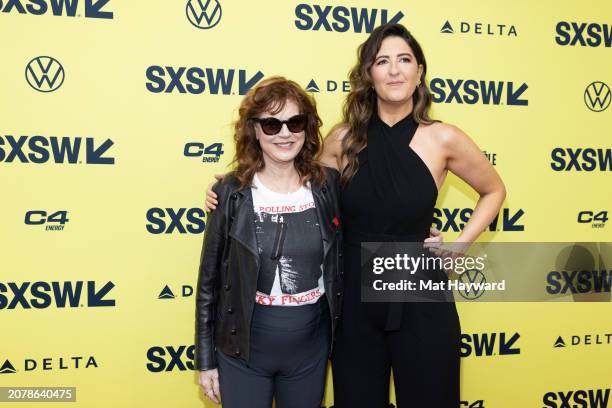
x=229, y=267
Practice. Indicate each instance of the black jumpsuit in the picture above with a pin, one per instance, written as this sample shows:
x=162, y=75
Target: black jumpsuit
x=391, y=198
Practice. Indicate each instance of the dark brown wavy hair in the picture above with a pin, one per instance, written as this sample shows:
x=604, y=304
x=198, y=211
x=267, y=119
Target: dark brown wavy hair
x=361, y=102
x=270, y=95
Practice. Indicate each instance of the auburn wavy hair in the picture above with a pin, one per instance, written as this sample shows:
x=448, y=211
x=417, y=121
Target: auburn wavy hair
x=270, y=96
x=361, y=102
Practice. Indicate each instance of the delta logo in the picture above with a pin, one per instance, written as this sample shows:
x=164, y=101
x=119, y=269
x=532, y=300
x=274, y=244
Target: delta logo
x=50, y=364
x=167, y=293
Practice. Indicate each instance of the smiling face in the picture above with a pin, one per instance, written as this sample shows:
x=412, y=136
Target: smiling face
x=395, y=71
x=284, y=146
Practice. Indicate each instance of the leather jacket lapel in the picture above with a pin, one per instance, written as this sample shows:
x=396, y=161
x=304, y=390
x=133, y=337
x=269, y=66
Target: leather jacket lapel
x=325, y=219
x=243, y=224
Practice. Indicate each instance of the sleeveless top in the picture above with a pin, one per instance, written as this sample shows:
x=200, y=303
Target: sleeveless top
x=390, y=198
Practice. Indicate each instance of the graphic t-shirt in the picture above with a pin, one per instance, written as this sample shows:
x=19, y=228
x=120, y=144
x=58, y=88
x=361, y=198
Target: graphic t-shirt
x=290, y=247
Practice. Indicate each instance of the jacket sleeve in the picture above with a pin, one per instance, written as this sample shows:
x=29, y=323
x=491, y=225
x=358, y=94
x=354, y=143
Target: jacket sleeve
x=207, y=286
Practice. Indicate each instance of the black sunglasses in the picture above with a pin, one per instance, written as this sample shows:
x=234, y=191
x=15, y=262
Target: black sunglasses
x=272, y=126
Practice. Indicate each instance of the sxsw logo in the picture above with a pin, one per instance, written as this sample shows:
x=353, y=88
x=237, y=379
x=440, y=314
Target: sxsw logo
x=471, y=92
x=196, y=80
x=597, y=398
x=342, y=19
x=597, y=96
x=68, y=8
x=40, y=149
x=584, y=34
x=41, y=295
x=167, y=293
x=50, y=363
x=565, y=282
x=203, y=13
x=329, y=86
x=581, y=159
x=473, y=404
x=489, y=344
x=584, y=340
x=170, y=358
x=169, y=220
x=53, y=221
x=477, y=28
x=209, y=153
x=454, y=219
x=44, y=74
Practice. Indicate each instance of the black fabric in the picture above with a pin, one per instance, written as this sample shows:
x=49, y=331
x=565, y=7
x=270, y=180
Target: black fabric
x=289, y=350
x=391, y=198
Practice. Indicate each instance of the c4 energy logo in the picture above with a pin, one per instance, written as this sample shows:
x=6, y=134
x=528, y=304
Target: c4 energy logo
x=478, y=28
x=342, y=19
x=169, y=358
x=68, y=8
x=584, y=34
x=597, y=96
x=581, y=159
x=472, y=91
x=209, y=153
x=203, y=13
x=489, y=344
x=577, y=398
x=41, y=295
x=45, y=74
x=41, y=149
x=167, y=293
x=159, y=224
x=597, y=219
x=454, y=219
x=53, y=220
x=7, y=368
x=196, y=80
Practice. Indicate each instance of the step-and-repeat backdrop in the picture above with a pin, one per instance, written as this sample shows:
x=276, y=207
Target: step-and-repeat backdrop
x=114, y=115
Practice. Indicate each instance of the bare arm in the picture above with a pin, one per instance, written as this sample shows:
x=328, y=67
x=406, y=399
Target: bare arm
x=464, y=158
x=331, y=154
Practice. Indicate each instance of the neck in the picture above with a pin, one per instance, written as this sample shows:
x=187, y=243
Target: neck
x=393, y=112
x=280, y=177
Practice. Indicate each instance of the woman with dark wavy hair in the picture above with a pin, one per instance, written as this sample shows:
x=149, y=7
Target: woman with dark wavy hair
x=394, y=159
x=267, y=293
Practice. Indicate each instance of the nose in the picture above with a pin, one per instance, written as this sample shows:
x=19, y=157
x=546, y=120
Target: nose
x=284, y=132
x=393, y=68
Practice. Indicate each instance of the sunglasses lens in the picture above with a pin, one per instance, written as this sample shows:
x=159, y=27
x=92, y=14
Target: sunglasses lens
x=297, y=123
x=271, y=126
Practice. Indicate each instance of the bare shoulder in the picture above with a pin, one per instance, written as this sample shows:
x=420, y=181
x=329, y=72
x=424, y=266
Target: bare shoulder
x=445, y=135
x=333, y=140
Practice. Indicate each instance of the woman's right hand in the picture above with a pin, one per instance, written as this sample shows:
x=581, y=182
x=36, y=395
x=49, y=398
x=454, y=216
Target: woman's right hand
x=211, y=196
x=209, y=380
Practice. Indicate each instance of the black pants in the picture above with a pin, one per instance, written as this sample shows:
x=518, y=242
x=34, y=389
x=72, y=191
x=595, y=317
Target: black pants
x=424, y=354
x=288, y=361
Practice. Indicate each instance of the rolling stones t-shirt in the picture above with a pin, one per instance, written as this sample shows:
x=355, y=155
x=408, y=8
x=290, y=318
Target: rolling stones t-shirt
x=290, y=247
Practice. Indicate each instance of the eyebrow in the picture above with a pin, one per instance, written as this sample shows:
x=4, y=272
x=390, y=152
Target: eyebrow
x=399, y=55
